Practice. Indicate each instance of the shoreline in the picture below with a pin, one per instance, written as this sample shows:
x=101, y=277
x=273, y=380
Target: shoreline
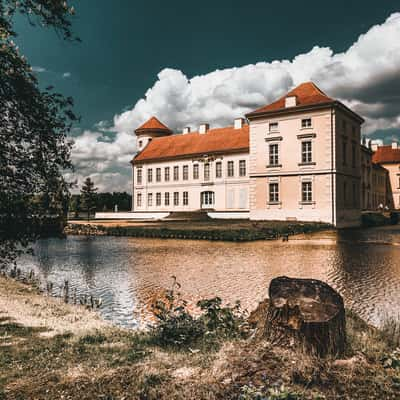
x=220, y=230
x=52, y=350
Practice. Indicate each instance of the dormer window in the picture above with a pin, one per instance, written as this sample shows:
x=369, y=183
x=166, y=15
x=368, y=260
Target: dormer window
x=140, y=144
x=306, y=123
x=273, y=126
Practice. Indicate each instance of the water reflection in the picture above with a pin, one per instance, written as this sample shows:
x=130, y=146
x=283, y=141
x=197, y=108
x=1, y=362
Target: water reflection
x=364, y=265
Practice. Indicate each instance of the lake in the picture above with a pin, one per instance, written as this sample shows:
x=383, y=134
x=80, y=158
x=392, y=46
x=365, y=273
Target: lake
x=128, y=273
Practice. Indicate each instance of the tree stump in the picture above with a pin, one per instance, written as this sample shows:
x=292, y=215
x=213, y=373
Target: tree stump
x=307, y=315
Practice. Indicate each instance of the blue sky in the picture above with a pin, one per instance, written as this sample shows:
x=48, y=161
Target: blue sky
x=211, y=62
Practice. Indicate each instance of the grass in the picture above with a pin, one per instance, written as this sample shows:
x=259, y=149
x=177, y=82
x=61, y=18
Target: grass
x=226, y=230
x=114, y=364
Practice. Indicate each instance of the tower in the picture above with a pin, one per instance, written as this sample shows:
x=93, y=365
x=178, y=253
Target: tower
x=153, y=128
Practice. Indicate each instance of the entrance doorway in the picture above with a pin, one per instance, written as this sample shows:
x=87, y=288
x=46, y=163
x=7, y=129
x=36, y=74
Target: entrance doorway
x=207, y=199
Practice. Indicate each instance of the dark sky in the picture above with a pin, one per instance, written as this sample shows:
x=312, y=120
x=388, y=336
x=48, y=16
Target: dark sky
x=126, y=43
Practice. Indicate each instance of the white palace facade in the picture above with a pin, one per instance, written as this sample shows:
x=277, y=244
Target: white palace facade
x=296, y=159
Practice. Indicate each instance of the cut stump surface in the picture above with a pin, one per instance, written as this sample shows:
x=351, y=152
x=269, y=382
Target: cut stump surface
x=306, y=314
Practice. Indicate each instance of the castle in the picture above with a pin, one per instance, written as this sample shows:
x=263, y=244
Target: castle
x=299, y=158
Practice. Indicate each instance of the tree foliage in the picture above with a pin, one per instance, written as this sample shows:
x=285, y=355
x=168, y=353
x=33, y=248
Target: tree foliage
x=88, y=197
x=34, y=123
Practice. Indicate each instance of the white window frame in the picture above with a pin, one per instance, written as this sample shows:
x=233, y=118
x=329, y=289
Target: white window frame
x=218, y=169
x=167, y=174
x=139, y=199
x=273, y=193
x=139, y=176
x=306, y=153
x=149, y=175
x=176, y=198
x=307, y=195
x=242, y=168
x=158, y=199
x=196, y=171
x=230, y=171
x=207, y=169
x=272, y=156
x=166, y=198
x=185, y=198
x=185, y=172
x=176, y=173
x=306, y=123
x=273, y=127
x=149, y=199
x=158, y=174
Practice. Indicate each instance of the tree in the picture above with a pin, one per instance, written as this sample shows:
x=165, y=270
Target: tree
x=34, y=123
x=88, y=197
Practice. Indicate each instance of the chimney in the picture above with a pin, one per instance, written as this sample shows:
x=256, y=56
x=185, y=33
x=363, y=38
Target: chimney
x=290, y=101
x=394, y=145
x=238, y=123
x=204, y=128
x=186, y=129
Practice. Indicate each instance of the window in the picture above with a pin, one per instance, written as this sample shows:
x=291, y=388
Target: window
x=274, y=154
x=206, y=171
x=176, y=198
x=176, y=173
x=158, y=199
x=196, y=171
x=344, y=152
x=185, y=173
x=344, y=126
x=166, y=198
x=139, y=199
x=306, y=123
x=274, y=192
x=149, y=175
x=166, y=174
x=344, y=193
x=139, y=176
x=140, y=144
x=207, y=199
x=231, y=171
x=185, y=198
x=273, y=126
x=158, y=174
x=354, y=196
x=353, y=155
x=306, y=192
x=218, y=169
x=242, y=168
x=150, y=199
x=306, y=151
x=353, y=130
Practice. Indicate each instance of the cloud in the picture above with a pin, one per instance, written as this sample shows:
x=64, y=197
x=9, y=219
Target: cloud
x=38, y=69
x=366, y=77
x=66, y=75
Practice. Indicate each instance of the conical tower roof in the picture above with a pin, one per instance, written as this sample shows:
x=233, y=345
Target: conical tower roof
x=153, y=125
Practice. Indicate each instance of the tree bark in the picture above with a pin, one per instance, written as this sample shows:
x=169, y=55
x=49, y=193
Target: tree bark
x=307, y=315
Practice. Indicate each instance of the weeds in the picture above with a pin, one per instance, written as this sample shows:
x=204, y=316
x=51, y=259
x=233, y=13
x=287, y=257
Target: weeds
x=178, y=327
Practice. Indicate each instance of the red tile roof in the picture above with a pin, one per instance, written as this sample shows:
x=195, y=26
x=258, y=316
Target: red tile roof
x=306, y=94
x=153, y=124
x=219, y=140
x=385, y=154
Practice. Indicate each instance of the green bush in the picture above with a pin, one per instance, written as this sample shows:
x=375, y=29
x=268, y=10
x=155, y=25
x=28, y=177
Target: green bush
x=176, y=326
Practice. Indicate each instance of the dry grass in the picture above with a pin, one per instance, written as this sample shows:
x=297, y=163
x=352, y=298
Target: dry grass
x=112, y=363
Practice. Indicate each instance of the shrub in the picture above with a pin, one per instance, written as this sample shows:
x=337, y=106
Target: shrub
x=176, y=326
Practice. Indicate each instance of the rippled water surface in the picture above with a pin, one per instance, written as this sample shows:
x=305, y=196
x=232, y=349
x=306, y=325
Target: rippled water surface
x=363, y=265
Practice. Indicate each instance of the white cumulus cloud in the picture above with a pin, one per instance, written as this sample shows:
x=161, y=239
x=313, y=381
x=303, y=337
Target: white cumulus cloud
x=366, y=77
